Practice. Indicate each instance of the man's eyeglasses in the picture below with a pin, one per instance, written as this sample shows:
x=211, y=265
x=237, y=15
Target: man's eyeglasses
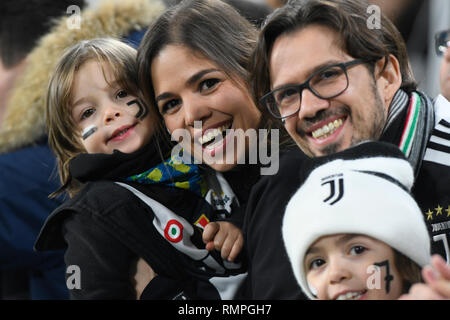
x=326, y=83
x=441, y=40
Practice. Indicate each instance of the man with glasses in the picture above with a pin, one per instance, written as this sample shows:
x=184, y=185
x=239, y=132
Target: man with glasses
x=336, y=81
x=442, y=41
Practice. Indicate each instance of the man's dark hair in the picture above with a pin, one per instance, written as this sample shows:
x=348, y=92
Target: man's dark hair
x=23, y=22
x=348, y=18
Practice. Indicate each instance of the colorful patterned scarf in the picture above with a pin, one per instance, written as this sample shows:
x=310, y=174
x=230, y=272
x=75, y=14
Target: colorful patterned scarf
x=173, y=172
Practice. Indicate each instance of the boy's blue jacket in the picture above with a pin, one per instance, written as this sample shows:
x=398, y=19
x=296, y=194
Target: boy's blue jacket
x=24, y=186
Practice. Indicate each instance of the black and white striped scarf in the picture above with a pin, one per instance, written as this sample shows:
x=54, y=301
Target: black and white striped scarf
x=409, y=125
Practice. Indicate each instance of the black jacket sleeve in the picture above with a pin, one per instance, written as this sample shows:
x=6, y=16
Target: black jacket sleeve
x=270, y=274
x=104, y=263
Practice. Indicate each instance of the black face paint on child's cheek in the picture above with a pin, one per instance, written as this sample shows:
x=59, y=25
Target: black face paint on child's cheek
x=143, y=111
x=88, y=132
x=388, y=278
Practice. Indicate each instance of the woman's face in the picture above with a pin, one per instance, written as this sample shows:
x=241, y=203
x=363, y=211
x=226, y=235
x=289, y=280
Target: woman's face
x=194, y=94
x=344, y=267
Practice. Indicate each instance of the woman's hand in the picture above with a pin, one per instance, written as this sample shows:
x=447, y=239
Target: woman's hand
x=437, y=282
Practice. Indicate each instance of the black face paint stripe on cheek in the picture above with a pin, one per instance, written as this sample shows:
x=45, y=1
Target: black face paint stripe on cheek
x=388, y=277
x=143, y=111
x=88, y=132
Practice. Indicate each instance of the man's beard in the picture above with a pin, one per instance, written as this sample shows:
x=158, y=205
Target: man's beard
x=378, y=120
x=330, y=149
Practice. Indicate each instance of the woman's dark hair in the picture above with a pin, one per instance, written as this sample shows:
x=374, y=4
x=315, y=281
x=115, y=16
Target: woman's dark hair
x=349, y=19
x=210, y=28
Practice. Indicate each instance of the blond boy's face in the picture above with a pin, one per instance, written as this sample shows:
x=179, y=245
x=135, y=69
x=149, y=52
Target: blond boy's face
x=356, y=267
x=106, y=113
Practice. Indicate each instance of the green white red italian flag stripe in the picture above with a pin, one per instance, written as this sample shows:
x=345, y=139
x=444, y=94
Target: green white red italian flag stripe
x=410, y=125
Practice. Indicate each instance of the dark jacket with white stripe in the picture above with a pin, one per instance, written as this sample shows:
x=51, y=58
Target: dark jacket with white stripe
x=106, y=228
x=432, y=186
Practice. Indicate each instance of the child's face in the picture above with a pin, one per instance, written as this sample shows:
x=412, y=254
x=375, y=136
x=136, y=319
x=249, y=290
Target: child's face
x=106, y=114
x=343, y=267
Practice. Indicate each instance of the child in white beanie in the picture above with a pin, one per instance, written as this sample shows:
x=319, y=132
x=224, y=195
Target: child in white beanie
x=353, y=231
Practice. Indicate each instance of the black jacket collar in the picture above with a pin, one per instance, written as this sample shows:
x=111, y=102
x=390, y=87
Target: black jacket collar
x=91, y=167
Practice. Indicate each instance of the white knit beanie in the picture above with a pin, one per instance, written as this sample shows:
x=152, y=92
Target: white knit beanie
x=366, y=195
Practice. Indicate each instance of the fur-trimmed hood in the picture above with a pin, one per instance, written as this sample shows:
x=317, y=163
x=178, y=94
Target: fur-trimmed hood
x=24, y=121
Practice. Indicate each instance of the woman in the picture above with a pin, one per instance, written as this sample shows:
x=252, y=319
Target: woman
x=199, y=85
x=192, y=66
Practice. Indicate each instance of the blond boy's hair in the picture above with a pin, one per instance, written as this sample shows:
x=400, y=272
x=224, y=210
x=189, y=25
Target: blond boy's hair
x=63, y=134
